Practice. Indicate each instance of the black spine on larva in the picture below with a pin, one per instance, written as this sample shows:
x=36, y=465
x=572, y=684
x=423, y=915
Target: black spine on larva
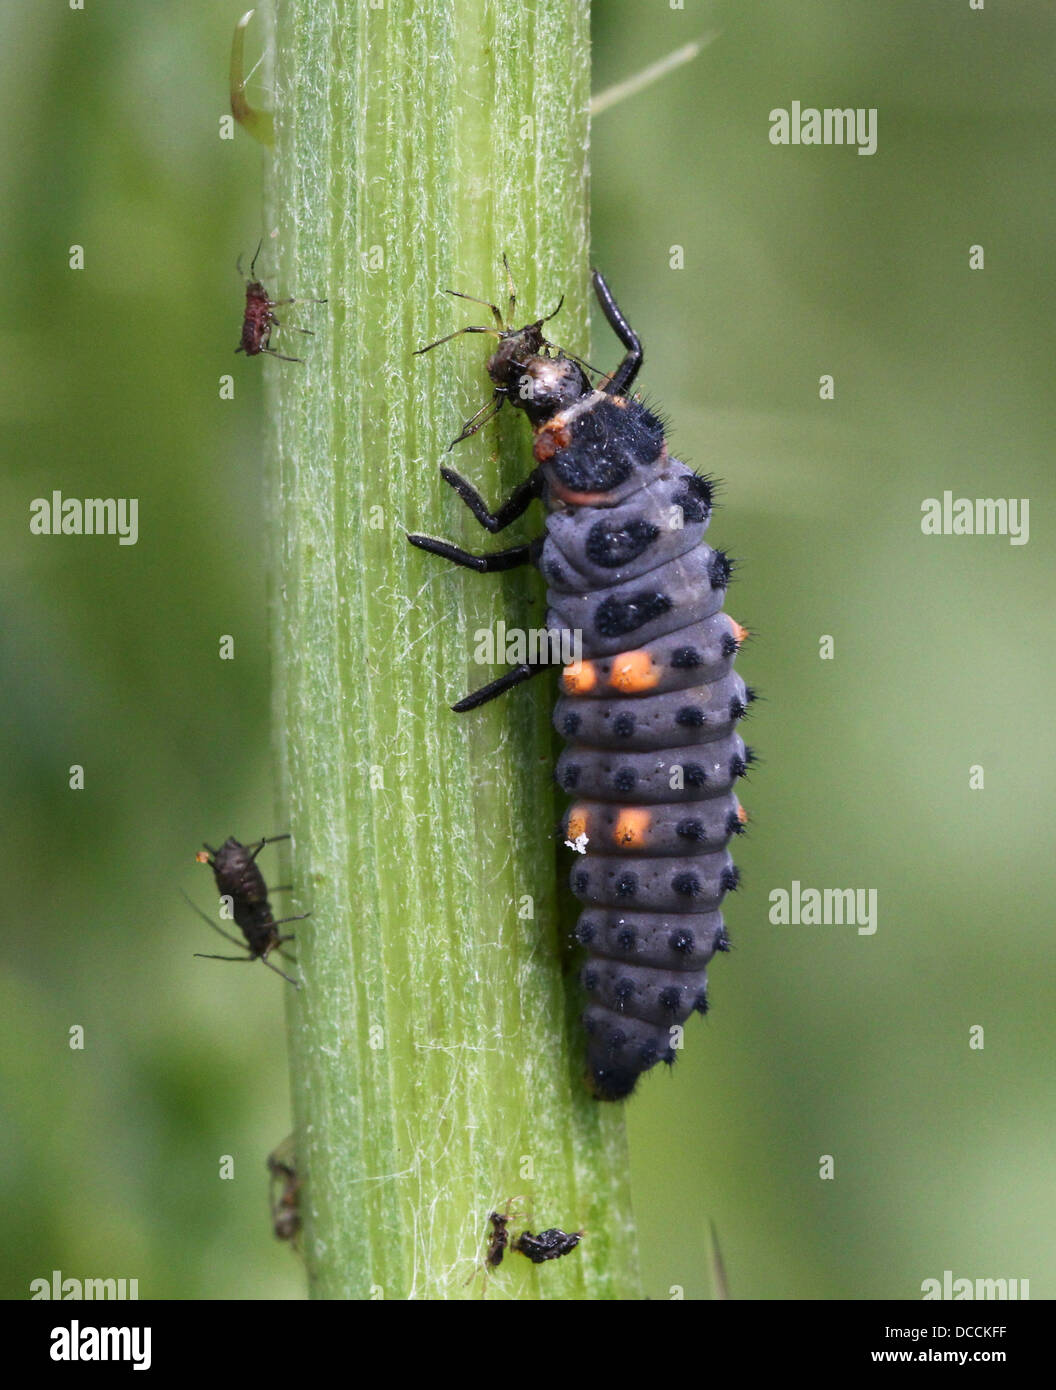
x=650, y=716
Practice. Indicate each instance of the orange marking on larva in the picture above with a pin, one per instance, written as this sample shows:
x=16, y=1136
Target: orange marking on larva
x=579, y=677
x=742, y=814
x=576, y=824
x=551, y=437
x=633, y=672
x=739, y=633
x=577, y=499
x=632, y=826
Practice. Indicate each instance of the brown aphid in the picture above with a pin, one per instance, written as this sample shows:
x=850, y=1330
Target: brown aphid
x=285, y=1191
x=258, y=320
x=500, y=1239
x=238, y=878
x=547, y=1245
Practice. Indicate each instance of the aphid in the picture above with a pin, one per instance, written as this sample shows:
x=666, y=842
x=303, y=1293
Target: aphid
x=259, y=319
x=499, y=1239
x=650, y=712
x=547, y=1245
x=285, y=1191
x=239, y=879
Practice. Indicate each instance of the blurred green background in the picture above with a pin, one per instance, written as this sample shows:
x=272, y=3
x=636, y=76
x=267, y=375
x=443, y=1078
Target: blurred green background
x=797, y=262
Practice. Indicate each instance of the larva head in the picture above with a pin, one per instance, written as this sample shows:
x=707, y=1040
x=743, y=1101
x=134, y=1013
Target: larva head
x=599, y=452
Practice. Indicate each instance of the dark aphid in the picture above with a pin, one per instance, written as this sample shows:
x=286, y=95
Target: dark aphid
x=285, y=1191
x=259, y=319
x=499, y=1239
x=238, y=878
x=547, y=1245
x=650, y=712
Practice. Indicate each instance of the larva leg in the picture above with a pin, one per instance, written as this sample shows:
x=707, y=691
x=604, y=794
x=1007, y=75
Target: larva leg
x=518, y=502
x=483, y=564
x=624, y=375
x=495, y=688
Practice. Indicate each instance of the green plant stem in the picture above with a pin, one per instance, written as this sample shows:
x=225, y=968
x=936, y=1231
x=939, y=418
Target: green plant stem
x=437, y=1072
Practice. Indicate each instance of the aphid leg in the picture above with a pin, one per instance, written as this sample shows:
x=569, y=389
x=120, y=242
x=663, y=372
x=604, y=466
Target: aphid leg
x=587, y=366
x=281, y=922
x=554, y=313
x=496, y=311
x=624, y=375
x=253, y=262
x=254, y=850
x=487, y=412
x=209, y=922
x=495, y=688
x=473, y=328
x=277, y=948
x=512, y=288
x=288, y=978
x=200, y=955
x=483, y=564
x=518, y=502
x=295, y=299
x=266, y=345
